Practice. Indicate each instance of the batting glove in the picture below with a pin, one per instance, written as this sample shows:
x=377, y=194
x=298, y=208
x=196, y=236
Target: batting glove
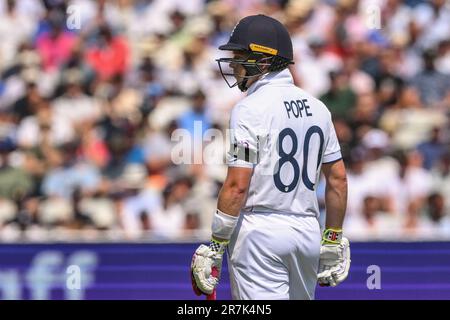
x=204, y=261
x=335, y=260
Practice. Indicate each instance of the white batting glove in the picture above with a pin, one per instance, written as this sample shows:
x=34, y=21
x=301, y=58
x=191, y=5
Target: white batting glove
x=204, y=260
x=335, y=260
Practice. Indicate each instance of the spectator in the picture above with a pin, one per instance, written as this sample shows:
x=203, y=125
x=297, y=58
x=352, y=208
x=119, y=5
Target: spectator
x=126, y=101
x=15, y=183
x=366, y=110
x=80, y=219
x=138, y=203
x=56, y=45
x=432, y=85
x=11, y=35
x=361, y=186
x=387, y=80
x=345, y=135
x=379, y=163
x=442, y=61
x=433, y=21
x=196, y=117
x=27, y=215
x=320, y=62
x=45, y=126
x=409, y=121
x=360, y=82
x=441, y=180
x=409, y=188
x=192, y=224
x=68, y=174
x=149, y=85
x=74, y=105
x=433, y=149
x=171, y=220
x=437, y=212
x=109, y=56
x=340, y=99
x=93, y=148
x=158, y=148
x=26, y=106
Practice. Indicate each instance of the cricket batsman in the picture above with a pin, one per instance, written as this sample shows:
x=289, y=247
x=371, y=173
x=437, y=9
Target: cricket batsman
x=282, y=138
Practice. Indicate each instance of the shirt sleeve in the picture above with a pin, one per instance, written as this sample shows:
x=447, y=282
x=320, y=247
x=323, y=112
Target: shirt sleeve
x=332, y=149
x=244, y=140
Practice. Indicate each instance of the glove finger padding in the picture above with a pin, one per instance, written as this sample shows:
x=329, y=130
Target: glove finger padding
x=194, y=285
x=334, y=263
x=203, y=261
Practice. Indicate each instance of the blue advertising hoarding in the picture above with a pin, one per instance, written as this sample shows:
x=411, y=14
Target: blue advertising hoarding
x=161, y=271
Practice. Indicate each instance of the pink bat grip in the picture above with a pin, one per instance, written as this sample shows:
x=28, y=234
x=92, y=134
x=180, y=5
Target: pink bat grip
x=214, y=273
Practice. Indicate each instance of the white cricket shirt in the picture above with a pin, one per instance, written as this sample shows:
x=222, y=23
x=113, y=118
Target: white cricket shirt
x=285, y=134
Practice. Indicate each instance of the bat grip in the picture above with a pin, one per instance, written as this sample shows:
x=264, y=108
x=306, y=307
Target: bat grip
x=213, y=295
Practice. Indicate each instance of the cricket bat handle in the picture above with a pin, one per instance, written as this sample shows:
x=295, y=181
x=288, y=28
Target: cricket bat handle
x=213, y=295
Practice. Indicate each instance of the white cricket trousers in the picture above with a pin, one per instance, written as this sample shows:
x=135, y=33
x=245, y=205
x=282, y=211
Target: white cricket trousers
x=274, y=256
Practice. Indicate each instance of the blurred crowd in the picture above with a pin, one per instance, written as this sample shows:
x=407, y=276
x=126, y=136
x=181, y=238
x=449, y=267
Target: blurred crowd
x=91, y=93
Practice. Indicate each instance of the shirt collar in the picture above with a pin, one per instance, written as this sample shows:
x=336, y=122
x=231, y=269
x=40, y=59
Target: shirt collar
x=280, y=77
